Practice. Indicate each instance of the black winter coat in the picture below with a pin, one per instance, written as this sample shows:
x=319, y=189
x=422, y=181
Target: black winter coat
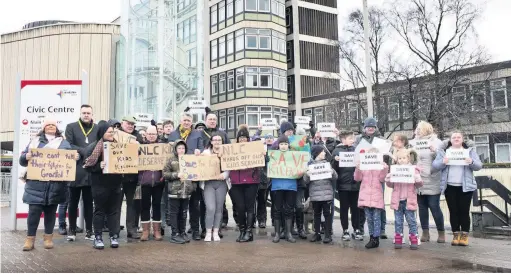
x=76, y=139
x=96, y=173
x=345, y=179
x=133, y=178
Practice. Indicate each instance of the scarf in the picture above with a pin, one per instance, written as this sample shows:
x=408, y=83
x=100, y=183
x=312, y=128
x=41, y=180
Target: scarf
x=92, y=160
x=183, y=133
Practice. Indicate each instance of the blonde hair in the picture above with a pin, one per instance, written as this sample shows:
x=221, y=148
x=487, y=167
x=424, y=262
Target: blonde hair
x=409, y=153
x=403, y=138
x=373, y=150
x=425, y=128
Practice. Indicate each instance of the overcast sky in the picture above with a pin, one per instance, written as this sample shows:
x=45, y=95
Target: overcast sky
x=493, y=27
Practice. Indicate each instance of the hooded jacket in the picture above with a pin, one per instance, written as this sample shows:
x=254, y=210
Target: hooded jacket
x=371, y=188
x=177, y=188
x=469, y=181
x=345, y=179
x=321, y=190
x=430, y=176
x=150, y=177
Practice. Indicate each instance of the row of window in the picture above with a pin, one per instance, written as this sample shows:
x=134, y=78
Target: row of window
x=231, y=118
x=228, y=8
x=187, y=30
x=250, y=77
x=475, y=96
x=260, y=39
x=502, y=150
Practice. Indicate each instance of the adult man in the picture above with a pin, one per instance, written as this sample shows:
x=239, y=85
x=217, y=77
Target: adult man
x=212, y=127
x=195, y=145
x=369, y=133
x=129, y=184
x=80, y=134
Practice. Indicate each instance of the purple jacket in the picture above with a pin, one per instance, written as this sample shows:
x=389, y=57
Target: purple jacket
x=245, y=176
x=150, y=177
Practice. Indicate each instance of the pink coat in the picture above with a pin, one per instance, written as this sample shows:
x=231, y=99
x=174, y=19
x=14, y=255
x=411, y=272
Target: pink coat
x=411, y=192
x=371, y=188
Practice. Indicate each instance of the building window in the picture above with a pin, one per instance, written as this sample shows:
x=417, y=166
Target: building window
x=221, y=83
x=230, y=43
x=240, y=78
x=278, y=8
x=213, y=15
x=259, y=39
x=252, y=78
x=221, y=46
x=221, y=12
x=498, y=94
x=230, y=80
x=251, y=38
x=214, y=85
x=192, y=57
x=353, y=113
x=240, y=44
x=458, y=98
x=251, y=5
x=230, y=8
x=264, y=5
x=230, y=122
x=478, y=92
x=222, y=122
x=238, y=6
x=318, y=115
x=503, y=153
x=265, y=77
x=278, y=42
x=240, y=115
x=482, y=147
x=405, y=107
x=214, y=50
x=329, y=114
x=393, y=109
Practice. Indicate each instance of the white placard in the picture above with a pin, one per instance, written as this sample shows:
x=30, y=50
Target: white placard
x=347, y=159
x=420, y=144
x=197, y=106
x=382, y=145
x=371, y=161
x=457, y=156
x=402, y=174
x=302, y=121
x=320, y=171
x=143, y=119
x=60, y=99
x=269, y=123
x=326, y=129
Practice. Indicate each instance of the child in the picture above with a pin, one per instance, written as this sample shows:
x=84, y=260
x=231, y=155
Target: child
x=348, y=188
x=321, y=193
x=400, y=142
x=179, y=192
x=371, y=198
x=404, y=201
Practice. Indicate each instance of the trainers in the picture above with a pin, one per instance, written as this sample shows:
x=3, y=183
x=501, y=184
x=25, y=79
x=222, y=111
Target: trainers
x=359, y=235
x=398, y=241
x=414, y=241
x=71, y=236
x=114, y=242
x=98, y=242
x=185, y=237
x=62, y=229
x=346, y=236
x=89, y=236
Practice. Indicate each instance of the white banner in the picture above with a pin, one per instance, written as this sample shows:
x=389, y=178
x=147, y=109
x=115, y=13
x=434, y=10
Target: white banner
x=326, y=129
x=143, y=119
x=371, y=161
x=60, y=99
x=197, y=106
x=347, y=159
x=457, y=156
x=319, y=171
x=302, y=121
x=269, y=123
x=402, y=174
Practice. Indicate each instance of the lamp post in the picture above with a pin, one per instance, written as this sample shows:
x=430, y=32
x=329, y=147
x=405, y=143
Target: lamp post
x=369, y=87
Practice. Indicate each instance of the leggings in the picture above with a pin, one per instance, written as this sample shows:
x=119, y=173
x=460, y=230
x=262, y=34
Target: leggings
x=151, y=198
x=244, y=196
x=427, y=203
x=349, y=203
x=400, y=214
x=373, y=216
x=74, y=198
x=458, y=203
x=34, y=216
x=214, y=198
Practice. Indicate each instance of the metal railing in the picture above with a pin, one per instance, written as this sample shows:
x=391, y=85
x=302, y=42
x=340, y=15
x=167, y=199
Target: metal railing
x=6, y=188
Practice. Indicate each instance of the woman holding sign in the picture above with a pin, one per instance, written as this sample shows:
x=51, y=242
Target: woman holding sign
x=214, y=192
x=43, y=196
x=458, y=162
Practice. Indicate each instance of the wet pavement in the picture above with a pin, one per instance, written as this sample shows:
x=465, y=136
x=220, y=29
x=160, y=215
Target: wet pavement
x=483, y=255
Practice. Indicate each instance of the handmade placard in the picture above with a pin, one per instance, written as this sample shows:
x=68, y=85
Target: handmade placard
x=120, y=158
x=52, y=165
x=153, y=156
x=199, y=168
x=287, y=164
x=242, y=155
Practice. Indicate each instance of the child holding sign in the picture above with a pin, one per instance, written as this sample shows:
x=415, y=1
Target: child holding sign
x=404, y=195
x=321, y=191
x=371, y=198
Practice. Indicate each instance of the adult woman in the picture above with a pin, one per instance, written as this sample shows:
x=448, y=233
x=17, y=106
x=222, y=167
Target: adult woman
x=43, y=196
x=152, y=189
x=106, y=189
x=428, y=197
x=245, y=184
x=458, y=183
x=214, y=192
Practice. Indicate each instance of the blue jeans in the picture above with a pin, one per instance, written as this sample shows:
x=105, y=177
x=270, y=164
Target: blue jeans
x=431, y=202
x=373, y=217
x=383, y=214
x=63, y=209
x=400, y=214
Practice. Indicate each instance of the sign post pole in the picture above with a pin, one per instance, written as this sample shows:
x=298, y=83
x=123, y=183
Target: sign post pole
x=85, y=100
x=15, y=155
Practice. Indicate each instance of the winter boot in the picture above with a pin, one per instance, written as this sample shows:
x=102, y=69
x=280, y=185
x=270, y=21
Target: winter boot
x=299, y=225
x=248, y=235
x=316, y=238
x=146, y=226
x=441, y=237
x=398, y=241
x=157, y=231
x=328, y=233
x=294, y=232
x=29, y=243
x=425, y=235
x=414, y=242
x=48, y=241
x=463, y=239
x=374, y=242
x=289, y=235
x=456, y=238
x=176, y=238
x=276, y=225
x=242, y=233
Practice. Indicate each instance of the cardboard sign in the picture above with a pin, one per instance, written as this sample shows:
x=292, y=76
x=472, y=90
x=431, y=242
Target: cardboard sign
x=287, y=164
x=123, y=137
x=320, y=171
x=303, y=121
x=457, y=156
x=200, y=168
x=299, y=143
x=143, y=119
x=52, y=165
x=371, y=161
x=269, y=123
x=153, y=156
x=420, y=144
x=197, y=106
x=402, y=174
x=326, y=129
x=347, y=159
x=242, y=155
x=120, y=158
